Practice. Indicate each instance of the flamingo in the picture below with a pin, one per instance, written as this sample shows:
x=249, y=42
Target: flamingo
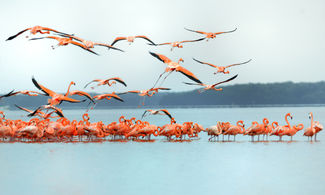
x=221, y=69
x=24, y=92
x=106, y=82
x=82, y=93
x=90, y=44
x=239, y=128
x=211, y=87
x=34, y=30
x=314, y=128
x=41, y=114
x=108, y=96
x=174, y=66
x=63, y=41
x=177, y=43
x=210, y=35
x=130, y=39
x=146, y=92
x=56, y=98
x=155, y=112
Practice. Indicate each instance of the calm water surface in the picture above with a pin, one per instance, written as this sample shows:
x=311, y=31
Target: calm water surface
x=160, y=167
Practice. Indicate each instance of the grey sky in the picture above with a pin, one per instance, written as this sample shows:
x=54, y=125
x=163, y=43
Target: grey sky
x=285, y=39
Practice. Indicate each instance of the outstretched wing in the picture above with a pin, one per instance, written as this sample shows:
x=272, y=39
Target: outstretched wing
x=117, y=79
x=201, y=32
x=82, y=93
x=161, y=88
x=160, y=57
x=115, y=97
x=159, y=44
x=192, y=40
x=214, y=66
x=232, y=78
x=166, y=112
x=192, y=83
x=144, y=114
x=67, y=99
x=24, y=109
x=96, y=80
x=118, y=39
x=146, y=38
x=108, y=46
x=238, y=63
x=83, y=47
x=8, y=94
x=14, y=36
x=42, y=88
x=217, y=33
x=187, y=73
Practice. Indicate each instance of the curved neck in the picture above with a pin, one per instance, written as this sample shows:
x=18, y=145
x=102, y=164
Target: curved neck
x=241, y=125
x=286, y=118
x=275, y=123
x=312, y=120
x=66, y=94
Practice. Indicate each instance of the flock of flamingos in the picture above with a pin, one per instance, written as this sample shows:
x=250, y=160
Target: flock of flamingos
x=40, y=128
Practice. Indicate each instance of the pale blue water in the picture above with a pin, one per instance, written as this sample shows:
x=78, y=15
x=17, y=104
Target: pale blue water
x=197, y=167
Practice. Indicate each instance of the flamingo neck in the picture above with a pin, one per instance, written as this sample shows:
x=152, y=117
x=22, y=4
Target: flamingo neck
x=286, y=119
x=312, y=120
x=66, y=94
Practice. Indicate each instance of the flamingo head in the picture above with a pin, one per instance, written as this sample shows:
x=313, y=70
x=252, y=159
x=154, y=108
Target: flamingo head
x=72, y=83
x=180, y=60
x=309, y=115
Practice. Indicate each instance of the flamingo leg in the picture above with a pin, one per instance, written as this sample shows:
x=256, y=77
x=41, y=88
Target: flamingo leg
x=158, y=79
x=165, y=78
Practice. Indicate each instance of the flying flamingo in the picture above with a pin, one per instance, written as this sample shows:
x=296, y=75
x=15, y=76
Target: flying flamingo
x=91, y=44
x=155, y=112
x=211, y=87
x=34, y=30
x=130, y=39
x=24, y=92
x=63, y=41
x=173, y=66
x=144, y=93
x=177, y=43
x=106, y=82
x=41, y=114
x=82, y=93
x=221, y=69
x=108, y=97
x=56, y=98
x=210, y=35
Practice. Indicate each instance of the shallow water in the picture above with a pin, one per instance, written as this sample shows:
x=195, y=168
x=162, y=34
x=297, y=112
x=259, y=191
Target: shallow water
x=160, y=167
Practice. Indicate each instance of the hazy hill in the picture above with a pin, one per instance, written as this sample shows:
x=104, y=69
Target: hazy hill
x=235, y=95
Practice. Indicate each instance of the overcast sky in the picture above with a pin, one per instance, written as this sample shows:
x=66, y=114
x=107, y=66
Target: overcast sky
x=285, y=40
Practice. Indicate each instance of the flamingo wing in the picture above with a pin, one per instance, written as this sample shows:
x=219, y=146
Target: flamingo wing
x=192, y=40
x=146, y=38
x=161, y=88
x=160, y=57
x=117, y=79
x=44, y=89
x=134, y=91
x=201, y=32
x=96, y=80
x=118, y=39
x=24, y=109
x=232, y=78
x=160, y=44
x=144, y=113
x=166, y=112
x=82, y=93
x=217, y=33
x=67, y=99
x=192, y=83
x=83, y=47
x=238, y=63
x=14, y=36
x=115, y=97
x=187, y=73
x=11, y=93
x=214, y=66
x=108, y=46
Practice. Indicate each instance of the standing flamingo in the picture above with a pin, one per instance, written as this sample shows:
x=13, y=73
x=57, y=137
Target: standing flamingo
x=314, y=128
x=236, y=129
